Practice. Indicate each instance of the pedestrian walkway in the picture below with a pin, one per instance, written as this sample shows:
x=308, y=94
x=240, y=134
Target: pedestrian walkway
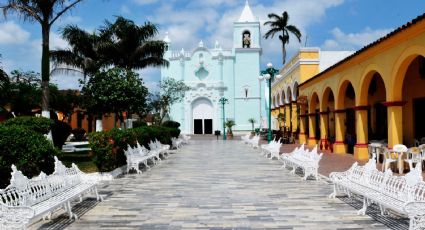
x=215, y=185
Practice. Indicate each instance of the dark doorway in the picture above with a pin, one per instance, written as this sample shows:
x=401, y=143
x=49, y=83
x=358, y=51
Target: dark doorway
x=317, y=125
x=350, y=129
x=419, y=114
x=197, y=126
x=208, y=126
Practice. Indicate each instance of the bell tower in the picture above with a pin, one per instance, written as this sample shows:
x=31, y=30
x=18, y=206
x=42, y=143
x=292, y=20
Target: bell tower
x=247, y=51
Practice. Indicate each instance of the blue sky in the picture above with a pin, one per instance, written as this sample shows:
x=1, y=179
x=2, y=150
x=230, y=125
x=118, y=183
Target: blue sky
x=328, y=24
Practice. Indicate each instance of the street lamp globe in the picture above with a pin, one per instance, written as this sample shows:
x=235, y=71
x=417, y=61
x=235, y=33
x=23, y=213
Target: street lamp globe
x=269, y=65
x=261, y=77
x=267, y=76
x=278, y=76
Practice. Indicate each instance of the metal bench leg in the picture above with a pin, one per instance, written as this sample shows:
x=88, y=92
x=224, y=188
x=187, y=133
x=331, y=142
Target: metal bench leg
x=364, y=208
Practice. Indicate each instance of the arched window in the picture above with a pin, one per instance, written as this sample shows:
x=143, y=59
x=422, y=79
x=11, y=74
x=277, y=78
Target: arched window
x=246, y=39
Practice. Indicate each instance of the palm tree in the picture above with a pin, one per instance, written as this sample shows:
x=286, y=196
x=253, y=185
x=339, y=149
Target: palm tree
x=45, y=12
x=280, y=25
x=133, y=46
x=252, y=121
x=84, y=54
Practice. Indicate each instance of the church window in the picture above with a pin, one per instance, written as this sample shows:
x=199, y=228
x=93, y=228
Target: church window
x=246, y=39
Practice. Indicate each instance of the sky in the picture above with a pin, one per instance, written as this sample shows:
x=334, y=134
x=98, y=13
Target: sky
x=327, y=24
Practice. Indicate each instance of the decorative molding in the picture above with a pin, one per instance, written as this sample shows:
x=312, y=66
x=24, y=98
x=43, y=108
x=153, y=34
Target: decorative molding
x=339, y=111
x=361, y=107
x=339, y=143
x=394, y=103
x=361, y=145
x=324, y=113
x=311, y=114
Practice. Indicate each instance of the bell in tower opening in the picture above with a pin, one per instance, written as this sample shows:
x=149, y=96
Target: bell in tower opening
x=246, y=39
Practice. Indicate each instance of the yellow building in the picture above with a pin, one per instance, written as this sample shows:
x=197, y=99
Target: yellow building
x=304, y=65
x=377, y=93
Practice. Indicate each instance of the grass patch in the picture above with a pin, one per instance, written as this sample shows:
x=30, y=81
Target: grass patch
x=81, y=159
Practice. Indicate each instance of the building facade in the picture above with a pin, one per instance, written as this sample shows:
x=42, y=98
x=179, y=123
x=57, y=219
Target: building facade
x=215, y=73
x=375, y=94
x=285, y=106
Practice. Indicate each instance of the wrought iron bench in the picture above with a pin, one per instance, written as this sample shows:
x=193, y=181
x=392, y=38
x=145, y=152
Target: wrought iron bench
x=26, y=200
x=308, y=161
x=272, y=149
x=404, y=195
x=139, y=155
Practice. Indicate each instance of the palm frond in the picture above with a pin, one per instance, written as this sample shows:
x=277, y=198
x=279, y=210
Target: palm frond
x=295, y=31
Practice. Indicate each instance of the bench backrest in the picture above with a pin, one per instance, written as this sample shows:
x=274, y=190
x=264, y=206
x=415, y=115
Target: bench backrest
x=403, y=187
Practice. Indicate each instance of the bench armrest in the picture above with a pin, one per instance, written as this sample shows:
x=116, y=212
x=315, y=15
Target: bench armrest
x=15, y=217
x=416, y=212
x=338, y=176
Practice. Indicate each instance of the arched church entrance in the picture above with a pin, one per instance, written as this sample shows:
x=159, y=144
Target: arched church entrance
x=202, y=113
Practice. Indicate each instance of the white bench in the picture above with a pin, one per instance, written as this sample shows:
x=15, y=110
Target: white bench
x=308, y=161
x=245, y=138
x=185, y=138
x=404, y=195
x=159, y=148
x=139, y=155
x=26, y=200
x=176, y=142
x=253, y=142
x=271, y=149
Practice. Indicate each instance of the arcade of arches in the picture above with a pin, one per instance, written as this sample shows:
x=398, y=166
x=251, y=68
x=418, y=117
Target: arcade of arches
x=376, y=94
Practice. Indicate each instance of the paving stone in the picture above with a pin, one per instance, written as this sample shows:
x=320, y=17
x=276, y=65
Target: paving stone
x=219, y=185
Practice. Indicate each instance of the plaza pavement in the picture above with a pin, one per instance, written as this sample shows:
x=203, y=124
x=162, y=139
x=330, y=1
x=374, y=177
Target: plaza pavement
x=213, y=184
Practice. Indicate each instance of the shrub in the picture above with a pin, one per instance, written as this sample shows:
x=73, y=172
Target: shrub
x=79, y=134
x=108, y=147
x=60, y=132
x=38, y=124
x=30, y=151
x=171, y=124
x=137, y=124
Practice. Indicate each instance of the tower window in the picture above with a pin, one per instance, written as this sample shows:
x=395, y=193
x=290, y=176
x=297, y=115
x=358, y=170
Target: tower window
x=246, y=90
x=246, y=39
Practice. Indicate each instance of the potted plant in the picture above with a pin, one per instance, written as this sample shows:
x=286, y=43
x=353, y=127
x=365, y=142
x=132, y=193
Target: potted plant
x=229, y=124
x=252, y=121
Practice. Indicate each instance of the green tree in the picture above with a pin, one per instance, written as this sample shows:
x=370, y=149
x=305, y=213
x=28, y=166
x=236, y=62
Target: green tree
x=46, y=13
x=84, y=54
x=24, y=93
x=229, y=124
x=115, y=91
x=4, y=86
x=279, y=24
x=131, y=46
x=171, y=91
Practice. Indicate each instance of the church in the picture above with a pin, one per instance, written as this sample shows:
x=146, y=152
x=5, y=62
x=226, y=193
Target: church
x=214, y=73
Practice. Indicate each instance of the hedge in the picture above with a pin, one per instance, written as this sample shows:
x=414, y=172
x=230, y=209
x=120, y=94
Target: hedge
x=38, y=124
x=108, y=147
x=30, y=151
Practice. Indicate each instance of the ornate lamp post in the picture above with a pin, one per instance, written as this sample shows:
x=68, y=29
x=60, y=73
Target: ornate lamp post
x=223, y=101
x=269, y=74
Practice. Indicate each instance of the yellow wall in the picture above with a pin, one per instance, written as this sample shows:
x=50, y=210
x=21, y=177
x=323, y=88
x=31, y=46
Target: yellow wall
x=390, y=58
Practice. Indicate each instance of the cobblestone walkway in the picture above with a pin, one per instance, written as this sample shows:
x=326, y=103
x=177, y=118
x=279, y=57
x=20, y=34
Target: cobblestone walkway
x=215, y=185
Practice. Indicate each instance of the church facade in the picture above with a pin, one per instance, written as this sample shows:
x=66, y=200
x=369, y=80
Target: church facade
x=215, y=73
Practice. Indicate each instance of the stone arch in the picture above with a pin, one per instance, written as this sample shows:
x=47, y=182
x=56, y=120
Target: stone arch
x=340, y=98
x=367, y=77
x=283, y=98
x=295, y=91
x=289, y=97
x=314, y=102
x=327, y=93
x=400, y=68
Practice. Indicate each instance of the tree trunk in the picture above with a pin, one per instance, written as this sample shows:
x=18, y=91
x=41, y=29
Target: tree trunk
x=45, y=69
x=283, y=55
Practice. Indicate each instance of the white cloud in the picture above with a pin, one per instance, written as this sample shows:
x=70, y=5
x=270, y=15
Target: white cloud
x=125, y=10
x=353, y=41
x=12, y=33
x=145, y=2
x=69, y=20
